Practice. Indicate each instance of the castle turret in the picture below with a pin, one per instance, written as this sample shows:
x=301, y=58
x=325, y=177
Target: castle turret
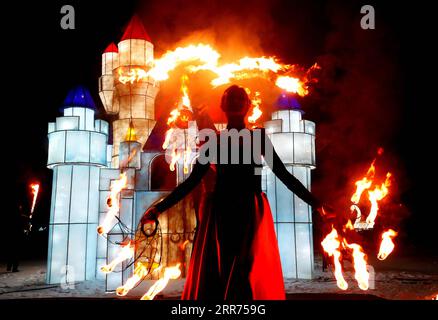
x=294, y=140
x=134, y=93
x=77, y=151
x=110, y=61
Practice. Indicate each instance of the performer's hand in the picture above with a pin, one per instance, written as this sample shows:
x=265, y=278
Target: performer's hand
x=150, y=215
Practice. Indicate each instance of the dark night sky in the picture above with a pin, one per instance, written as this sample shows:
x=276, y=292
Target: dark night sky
x=376, y=87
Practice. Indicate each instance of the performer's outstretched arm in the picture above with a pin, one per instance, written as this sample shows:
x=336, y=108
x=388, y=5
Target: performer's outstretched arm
x=293, y=184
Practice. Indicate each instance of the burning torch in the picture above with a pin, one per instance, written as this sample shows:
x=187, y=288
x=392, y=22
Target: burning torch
x=35, y=188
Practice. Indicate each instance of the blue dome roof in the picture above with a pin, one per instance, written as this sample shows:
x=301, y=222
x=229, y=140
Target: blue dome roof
x=79, y=97
x=287, y=102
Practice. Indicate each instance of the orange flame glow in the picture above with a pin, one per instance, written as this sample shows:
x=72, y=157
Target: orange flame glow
x=348, y=226
x=375, y=196
x=133, y=75
x=185, y=92
x=113, y=203
x=204, y=57
x=387, y=245
x=157, y=287
x=179, y=113
x=256, y=112
x=291, y=84
x=360, y=265
x=364, y=183
x=331, y=245
x=35, y=188
x=140, y=272
x=183, y=245
x=127, y=252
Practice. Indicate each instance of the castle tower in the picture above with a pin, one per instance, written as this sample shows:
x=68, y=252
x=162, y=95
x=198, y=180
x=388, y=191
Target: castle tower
x=77, y=151
x=130, y=97
x=294, y=140
x=130, y=163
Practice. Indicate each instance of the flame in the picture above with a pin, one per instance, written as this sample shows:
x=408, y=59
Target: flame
x=133, y=75
x=127, y=252
x=364, y=183
x=292, y=85
x=245, y=68
x=113, y=203
x=187, y=153
x=174, y=114
x=332, y=242
x=183, y=245
x=175, y=157
x=185, y=91
x=375, y=196
x=167, y=138
x=360, y=265
x=331, y=245
x=348, y=226
x=387, y=245
x=140, y=272
x=204, y=57
x=130, y=134
x=200, y=53
x=157, y=287
x=179, y=114
x=256, y=112
x=35, y=188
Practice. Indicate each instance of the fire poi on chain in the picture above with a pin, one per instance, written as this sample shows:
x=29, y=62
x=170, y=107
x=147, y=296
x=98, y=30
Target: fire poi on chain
x=336, y=245
x=202, y=57
x=113, y=204
x=159, y=285
x=127, y=252
x=387, y=245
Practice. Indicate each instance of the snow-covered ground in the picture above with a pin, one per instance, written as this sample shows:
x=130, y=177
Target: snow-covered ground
x=401, y=279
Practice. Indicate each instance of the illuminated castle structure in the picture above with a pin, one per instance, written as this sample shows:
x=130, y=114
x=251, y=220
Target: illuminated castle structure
x=77, y=151
x=85, y=167
x=294, y=140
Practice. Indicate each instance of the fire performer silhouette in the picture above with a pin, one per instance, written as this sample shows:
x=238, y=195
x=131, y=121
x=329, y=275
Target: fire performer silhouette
x=235, y=254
